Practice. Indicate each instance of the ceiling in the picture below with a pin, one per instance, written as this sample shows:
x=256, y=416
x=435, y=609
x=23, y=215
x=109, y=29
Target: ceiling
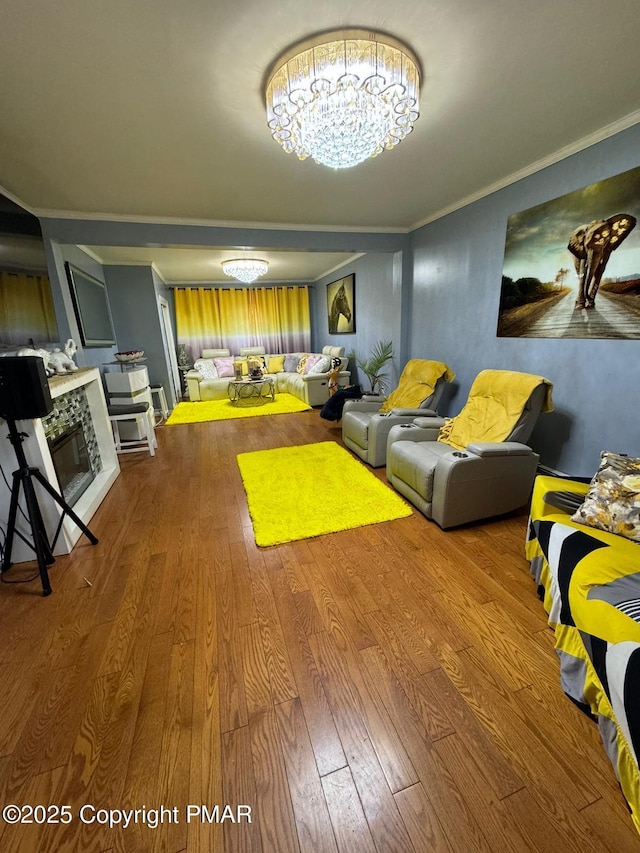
x=146, y=111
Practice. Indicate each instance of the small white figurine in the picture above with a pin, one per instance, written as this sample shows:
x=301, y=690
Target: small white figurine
x=44, y=355
x=61, y=360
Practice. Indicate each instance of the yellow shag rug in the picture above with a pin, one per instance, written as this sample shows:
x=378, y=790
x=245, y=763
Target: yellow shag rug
x=224, y=410
x=300, y=492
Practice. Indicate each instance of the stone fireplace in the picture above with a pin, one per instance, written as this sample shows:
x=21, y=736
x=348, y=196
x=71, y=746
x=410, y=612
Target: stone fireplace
x=74, y=450
x=72, y=443
x=72, y=464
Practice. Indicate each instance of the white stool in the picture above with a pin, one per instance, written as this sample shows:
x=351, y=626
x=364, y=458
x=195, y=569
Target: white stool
x=140, y=413
x=158, y=390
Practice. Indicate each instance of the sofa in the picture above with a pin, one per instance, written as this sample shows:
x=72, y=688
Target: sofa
x=589, y=582
x=305, y=375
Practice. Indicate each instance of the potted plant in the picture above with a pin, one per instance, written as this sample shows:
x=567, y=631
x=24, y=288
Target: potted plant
x=372, y=367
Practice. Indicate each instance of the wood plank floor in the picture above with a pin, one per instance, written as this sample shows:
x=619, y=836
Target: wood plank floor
x=391, y=688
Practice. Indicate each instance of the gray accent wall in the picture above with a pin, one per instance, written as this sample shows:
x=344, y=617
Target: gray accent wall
x=65, y=315
x=457, y=270
x=133, y=294
x=378, y=310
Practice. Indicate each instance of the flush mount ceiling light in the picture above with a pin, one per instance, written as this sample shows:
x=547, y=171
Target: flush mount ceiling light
x=245, y=269
x=343, y=97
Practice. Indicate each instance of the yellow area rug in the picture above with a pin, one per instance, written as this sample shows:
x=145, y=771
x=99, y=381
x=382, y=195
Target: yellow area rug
x=300, y=492
x=224, y=410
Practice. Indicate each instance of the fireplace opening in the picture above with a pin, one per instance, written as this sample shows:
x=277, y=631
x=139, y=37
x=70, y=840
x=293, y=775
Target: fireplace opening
x=72, y=464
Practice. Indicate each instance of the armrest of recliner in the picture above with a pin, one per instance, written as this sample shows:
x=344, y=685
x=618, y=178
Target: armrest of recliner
x=343, y=378
x=360, y=405
x=433, y=423
x=424, y=413
x=484, y=479
x=193, y=379
x=315, y=377
x=410, y=432
x=498, y=448
x=382, y=424
x=372, y=398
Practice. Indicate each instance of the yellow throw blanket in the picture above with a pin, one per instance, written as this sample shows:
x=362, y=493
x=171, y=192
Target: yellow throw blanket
x=496, y=401
x=416, y=383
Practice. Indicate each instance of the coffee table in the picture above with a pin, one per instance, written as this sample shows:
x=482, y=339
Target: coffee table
x=244, y=389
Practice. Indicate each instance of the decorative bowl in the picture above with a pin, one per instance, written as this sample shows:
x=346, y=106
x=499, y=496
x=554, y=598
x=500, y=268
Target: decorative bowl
x=130, y=355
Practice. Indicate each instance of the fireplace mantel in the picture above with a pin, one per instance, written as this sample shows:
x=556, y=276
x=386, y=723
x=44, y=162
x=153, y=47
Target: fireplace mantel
x=37, y=453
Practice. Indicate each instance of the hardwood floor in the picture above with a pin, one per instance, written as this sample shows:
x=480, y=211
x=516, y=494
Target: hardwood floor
x=391, y=688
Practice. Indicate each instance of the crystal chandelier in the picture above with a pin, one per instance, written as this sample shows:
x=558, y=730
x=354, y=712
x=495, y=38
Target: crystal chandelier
x=245, y=269
x=343, y=97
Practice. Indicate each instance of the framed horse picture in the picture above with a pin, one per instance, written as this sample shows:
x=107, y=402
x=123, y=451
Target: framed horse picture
x=341, y=305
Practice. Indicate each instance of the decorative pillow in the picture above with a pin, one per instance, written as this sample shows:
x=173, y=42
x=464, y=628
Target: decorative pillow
x=311, y=362
x=302, y=363
x=613, y=500
x=291, y=363
x=276, y=364
x=322, y=365
x=206, y=367
x=224, y=366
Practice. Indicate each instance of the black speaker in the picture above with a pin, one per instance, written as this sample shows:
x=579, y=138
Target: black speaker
x=24, y=389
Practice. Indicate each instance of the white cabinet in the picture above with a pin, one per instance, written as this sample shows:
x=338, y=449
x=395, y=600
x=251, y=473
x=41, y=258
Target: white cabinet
x=127, y=386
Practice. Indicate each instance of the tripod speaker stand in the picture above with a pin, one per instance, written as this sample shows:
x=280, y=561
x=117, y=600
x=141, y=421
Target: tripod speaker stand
x=24, y=394
x=24, y=477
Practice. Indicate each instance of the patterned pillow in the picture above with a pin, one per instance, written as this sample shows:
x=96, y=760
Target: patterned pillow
x=224, y=366
x=310, y=363
x=613, y=500
x=302, y=364
x=291, y=363
x=206, y=368
x=322, y=365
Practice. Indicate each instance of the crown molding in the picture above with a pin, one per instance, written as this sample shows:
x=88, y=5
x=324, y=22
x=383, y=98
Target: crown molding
x=562, y=154
x=46, y=213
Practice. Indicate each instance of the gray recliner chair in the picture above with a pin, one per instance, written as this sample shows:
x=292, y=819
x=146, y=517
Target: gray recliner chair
x=366, y=423
x=477, y=464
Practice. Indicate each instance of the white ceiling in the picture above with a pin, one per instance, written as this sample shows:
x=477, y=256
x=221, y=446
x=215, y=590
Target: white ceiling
x=189, y=265
x=153, y=111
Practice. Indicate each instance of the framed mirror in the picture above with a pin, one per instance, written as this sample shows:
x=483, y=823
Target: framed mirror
x=91, y=306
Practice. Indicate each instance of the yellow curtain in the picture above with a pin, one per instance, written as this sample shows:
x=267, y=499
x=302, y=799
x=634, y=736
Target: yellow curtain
x=277, y=318
x=26, y=309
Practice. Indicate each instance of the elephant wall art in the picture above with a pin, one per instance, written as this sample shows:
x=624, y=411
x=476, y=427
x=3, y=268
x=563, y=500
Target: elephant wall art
x=572, y=265
x=592, y=246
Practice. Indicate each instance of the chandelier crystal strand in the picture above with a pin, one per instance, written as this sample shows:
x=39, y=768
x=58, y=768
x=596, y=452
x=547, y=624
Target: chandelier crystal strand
x=245, y=270
x=342, y=98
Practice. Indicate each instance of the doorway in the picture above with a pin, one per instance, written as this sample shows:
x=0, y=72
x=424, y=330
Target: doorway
x=170, y=348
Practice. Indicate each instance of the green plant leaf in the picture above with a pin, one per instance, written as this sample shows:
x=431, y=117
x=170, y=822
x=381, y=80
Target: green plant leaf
x=372, y=367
